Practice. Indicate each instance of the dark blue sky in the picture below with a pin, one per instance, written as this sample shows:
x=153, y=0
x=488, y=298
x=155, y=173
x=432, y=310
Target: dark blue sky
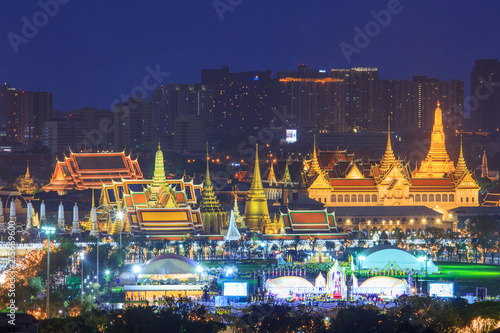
x=92, y=51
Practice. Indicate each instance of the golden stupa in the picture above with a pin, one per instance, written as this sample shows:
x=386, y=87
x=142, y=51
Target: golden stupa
x=437, y=163
x=256, y=212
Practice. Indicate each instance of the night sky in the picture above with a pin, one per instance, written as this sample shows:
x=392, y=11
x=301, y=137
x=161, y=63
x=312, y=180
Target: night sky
x=91, y=52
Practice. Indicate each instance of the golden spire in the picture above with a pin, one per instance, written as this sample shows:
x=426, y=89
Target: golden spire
x=314, y=168
x=256, y=211
x=208, y=182
x=286, y=176
x=437, y=163
x=256, y=180
x=388, y=159
x=461, y=165
x=159, y=177
x=208, y=200
x=272, y=176
x=27, y=169
x=93, y=205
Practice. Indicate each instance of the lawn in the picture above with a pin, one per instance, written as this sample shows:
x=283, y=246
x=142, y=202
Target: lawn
x=467, y=272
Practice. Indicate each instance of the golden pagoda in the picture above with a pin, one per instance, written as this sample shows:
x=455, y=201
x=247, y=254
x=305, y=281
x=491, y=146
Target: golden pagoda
x=314, y=168
x=388, y=159
x=256, y=212
x=214, y=218
x=287, y=179
x=25, y=183
x=159, y=177
x=437, y=163
x=271, y=177
x=461, y=165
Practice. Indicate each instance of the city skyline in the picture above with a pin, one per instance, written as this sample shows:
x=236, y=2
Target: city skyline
x=248, y=36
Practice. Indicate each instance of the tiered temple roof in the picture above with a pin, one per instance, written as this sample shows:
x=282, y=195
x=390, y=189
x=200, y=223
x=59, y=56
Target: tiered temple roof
x=81, y=171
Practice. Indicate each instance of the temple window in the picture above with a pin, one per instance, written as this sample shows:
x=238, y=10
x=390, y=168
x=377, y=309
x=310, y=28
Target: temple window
x=374, y=198
x=360, y=198
x=333, y=198
x=367, y=198
x=452, y=197
x=424, y=197
x=431, y=197
x=341, y=198
x=467, y=199
x=438, y=197
x=472, y=199
x=347, y=198
x=353, y=198
x=417, y=198
x=445, y=197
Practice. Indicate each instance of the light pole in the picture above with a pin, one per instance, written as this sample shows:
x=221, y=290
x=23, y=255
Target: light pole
x=107, y=278
x=48, y=230
x=82, y=255
x=136, y=269
x=97, y=245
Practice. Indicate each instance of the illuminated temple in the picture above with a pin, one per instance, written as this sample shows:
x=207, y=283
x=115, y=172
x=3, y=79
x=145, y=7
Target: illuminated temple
x=81, y=171
x=160, y=207
x=336, y=178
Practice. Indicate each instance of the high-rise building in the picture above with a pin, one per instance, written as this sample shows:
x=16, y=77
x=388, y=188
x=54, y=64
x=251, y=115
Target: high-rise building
x=179, y=100
x=57, y=135
x=411, y=103
x=133, y=127
x=189, y=133
x=4, y=88
x=243, y=102
x=27, y=113
x=485, y=95
x=361, y=97
x=312, y=99
x=87, y=129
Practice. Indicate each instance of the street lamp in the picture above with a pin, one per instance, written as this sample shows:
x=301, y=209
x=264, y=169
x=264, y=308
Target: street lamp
x=107, y=277
x=48, y=231
x=82, y=256
x=361, y=259
x=136, y=269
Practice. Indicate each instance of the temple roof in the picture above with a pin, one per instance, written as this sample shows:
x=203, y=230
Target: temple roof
x=80, y=171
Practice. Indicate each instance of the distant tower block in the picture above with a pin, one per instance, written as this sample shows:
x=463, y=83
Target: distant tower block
x=43, y=217
x=29, y=216
x=2, y=219
x=76, y=221
x=60, y=218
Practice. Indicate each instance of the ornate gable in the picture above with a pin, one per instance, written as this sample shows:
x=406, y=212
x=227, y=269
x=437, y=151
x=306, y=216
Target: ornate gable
x=354, y=172
x=319, y=182
x=467, y=181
